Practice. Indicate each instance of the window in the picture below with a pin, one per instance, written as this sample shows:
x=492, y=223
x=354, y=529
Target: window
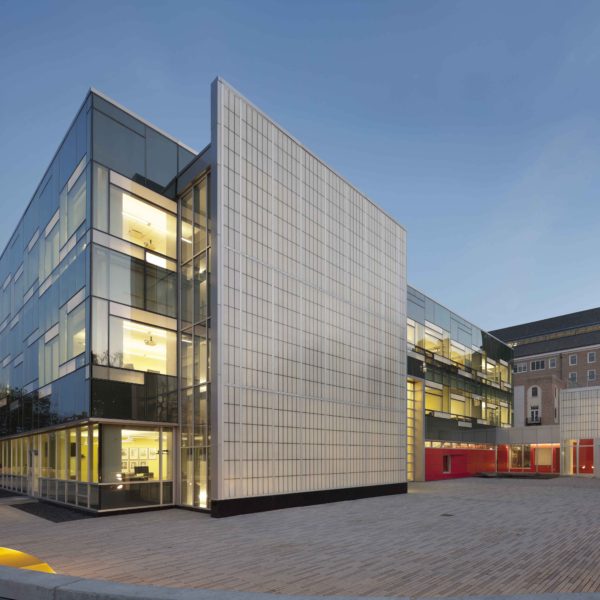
x=433, y=341
x=538, y=365
x=49, y=250
x=72, y=205
x=142, y=223
x=447, y=463
x=142, y=347
x=573, y=377
x=552, y=363
x=520, y=456
x=458, y=353
x=591, y=357
x=572, y=359
x=592, y=375
x=72, y=332
x=534, y=391
x=137, y=283
x=433, y=399
x=134, y=455
x=76, y=331
x=520, y=368
x=194, y=220
x=48, y=360
x=410, y=333
x=534, y=414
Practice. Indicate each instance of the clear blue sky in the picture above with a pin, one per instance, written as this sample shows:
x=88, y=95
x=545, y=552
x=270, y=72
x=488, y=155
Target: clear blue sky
x=476, y=124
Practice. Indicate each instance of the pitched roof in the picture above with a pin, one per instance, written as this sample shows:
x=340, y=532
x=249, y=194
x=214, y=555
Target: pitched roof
x=575, y=320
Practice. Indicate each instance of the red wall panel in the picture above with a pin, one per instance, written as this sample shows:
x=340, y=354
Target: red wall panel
x=464, y=463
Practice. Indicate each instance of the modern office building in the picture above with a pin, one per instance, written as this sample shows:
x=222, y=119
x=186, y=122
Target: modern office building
x=222, y=330
x=551, y=355
x=459, y=392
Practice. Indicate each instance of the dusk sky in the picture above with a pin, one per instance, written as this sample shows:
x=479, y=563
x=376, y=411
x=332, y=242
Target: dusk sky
x=475, y=124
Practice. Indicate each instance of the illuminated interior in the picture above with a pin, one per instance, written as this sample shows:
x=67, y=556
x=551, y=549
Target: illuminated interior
x=142, y=347
x=142, y=223
x=141, y=456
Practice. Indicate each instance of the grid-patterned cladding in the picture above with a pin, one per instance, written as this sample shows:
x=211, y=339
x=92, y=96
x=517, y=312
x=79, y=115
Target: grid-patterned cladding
x=580, y=413
x=312, y=318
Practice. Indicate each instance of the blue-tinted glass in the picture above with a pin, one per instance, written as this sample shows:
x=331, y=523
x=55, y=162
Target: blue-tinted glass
x=67, y=157
x=118, y=147
x=119, y=115
x=161, y=160
x=184, y=158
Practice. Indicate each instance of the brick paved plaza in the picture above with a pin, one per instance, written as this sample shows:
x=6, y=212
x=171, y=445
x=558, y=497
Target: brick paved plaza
x=503, y=537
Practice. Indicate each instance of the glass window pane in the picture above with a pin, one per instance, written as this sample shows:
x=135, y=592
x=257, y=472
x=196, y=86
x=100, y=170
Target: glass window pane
x=142, y=347
x=100, y=198
x=73, y=453
x=76, y=331
x=187, y=363
x=76, y=197
x=100, y=353
x=100, y=271
x=186, y=226
x=187, y=273
x=84, y=452
x=118, y=147
x=134, y=282
x=49, y=254
x=200, y=355
x=167, y=455
x=130, y=455
x=200, y=216
x=161, y=290
x=94, y=452
x=201, y=477
x=161, y=159
x=61, y=454
x=200, y=288
x=72, y=332
x=142, y=223
x=126, y=280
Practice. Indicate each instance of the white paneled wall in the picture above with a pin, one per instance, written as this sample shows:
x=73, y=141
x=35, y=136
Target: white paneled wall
x=312, y=323
x=580, y=413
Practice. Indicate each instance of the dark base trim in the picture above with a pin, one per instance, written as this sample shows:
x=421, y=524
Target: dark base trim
x=242, y=506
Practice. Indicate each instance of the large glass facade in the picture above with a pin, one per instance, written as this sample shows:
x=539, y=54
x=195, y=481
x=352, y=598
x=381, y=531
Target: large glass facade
x=459, y=384
x=195, y=345
x=89, y=319
x=93, y=466
x=44, y=276
x=467, y=374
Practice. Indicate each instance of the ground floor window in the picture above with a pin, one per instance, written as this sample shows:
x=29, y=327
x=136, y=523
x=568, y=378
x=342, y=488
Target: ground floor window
x=578, y=457
x=95, y=466
x=520, y=456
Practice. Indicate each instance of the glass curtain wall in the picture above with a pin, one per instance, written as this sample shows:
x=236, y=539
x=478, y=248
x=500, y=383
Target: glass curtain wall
x=43, y=296
x=99, y=467
x=467, y=375
x=195, y=345
x=134, y=306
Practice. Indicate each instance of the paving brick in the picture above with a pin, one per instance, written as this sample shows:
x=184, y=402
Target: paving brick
x=506, y=537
